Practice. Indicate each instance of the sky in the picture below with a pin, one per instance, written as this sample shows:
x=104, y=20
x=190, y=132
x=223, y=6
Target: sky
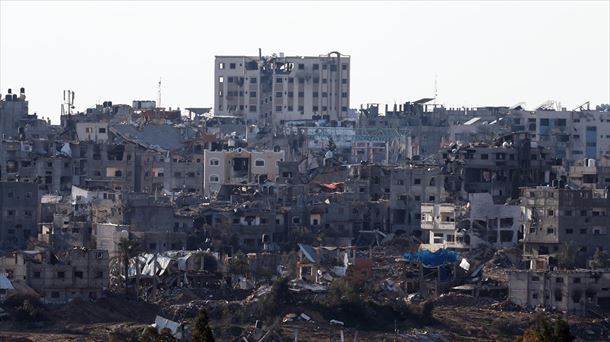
x=479, y=53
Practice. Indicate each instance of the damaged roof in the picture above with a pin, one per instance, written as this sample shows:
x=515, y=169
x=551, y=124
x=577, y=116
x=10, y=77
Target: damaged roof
x=309, y=252
x=154, y=136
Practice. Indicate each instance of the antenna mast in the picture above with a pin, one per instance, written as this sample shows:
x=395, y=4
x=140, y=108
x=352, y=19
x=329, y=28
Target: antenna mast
x=159, y=95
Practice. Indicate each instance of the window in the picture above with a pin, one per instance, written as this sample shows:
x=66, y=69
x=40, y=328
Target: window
x=583, y=231
x=259, y=162
x=214, y=179
x=550, y=231
x=221, y=66
x=535, y=278
x=102, y=130
x=559, y=280
x=36, y=274
x=231, y=65
x=316, y=66
x=484, y=156
x=61, y=274
x=431, y=198
x=576, y=280
x=252, y=80
x=78, y=274
x=296, y=220
x=278, y=80
x=214, y=162
x=118, y=173
x=417, y=181
x=569, y=231
x=550, y=213
x=278, y=94
x=54, y=294
x=278, y=108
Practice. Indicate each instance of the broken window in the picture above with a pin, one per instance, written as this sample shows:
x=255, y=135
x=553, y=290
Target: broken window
x=558, y=295
x=241, y=166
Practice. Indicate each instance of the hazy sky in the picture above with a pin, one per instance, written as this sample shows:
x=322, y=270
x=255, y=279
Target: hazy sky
x=497, y=53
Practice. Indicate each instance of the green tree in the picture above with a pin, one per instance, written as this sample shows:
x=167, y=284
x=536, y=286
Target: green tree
x=128, y=249
x=600, y=259
x=566, y=257
x=342, y=290
x=201, y=328
x=545, y=330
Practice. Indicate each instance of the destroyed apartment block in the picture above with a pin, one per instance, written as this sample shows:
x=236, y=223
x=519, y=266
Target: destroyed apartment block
x=19, y=211
x=58, y=278
x=569, y=135
x=166, y=271
x=581, y=292
x=239, y=166
x=558, y=218
x=498, y=168
x=470, y=225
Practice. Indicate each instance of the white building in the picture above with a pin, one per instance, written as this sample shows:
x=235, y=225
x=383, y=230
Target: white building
x=272, y=90
x=239, y=166
x=480, y=222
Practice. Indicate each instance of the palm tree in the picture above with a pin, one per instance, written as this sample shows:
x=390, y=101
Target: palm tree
x=128, y=249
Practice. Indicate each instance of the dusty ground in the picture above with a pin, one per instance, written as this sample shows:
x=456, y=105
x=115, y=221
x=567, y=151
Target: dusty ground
x=456, y=320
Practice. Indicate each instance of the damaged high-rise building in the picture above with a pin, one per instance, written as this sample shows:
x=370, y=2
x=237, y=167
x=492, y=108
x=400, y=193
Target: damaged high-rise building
x=274, y=89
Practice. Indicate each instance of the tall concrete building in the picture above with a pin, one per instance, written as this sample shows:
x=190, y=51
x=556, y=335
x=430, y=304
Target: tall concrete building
x=13, y=109
x=272, y=90
x=571, y=135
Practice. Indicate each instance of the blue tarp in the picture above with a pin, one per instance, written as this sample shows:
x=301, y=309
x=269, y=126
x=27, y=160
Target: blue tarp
x=433, y=259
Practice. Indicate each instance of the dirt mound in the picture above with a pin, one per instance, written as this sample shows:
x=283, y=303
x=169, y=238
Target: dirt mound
x=106, y=310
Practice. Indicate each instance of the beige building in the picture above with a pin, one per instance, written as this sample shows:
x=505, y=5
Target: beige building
x=239, y=166
x=275, y=89
x=92, y=131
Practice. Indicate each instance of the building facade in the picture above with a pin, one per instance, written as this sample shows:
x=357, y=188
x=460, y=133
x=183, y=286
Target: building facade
x=281, y=88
